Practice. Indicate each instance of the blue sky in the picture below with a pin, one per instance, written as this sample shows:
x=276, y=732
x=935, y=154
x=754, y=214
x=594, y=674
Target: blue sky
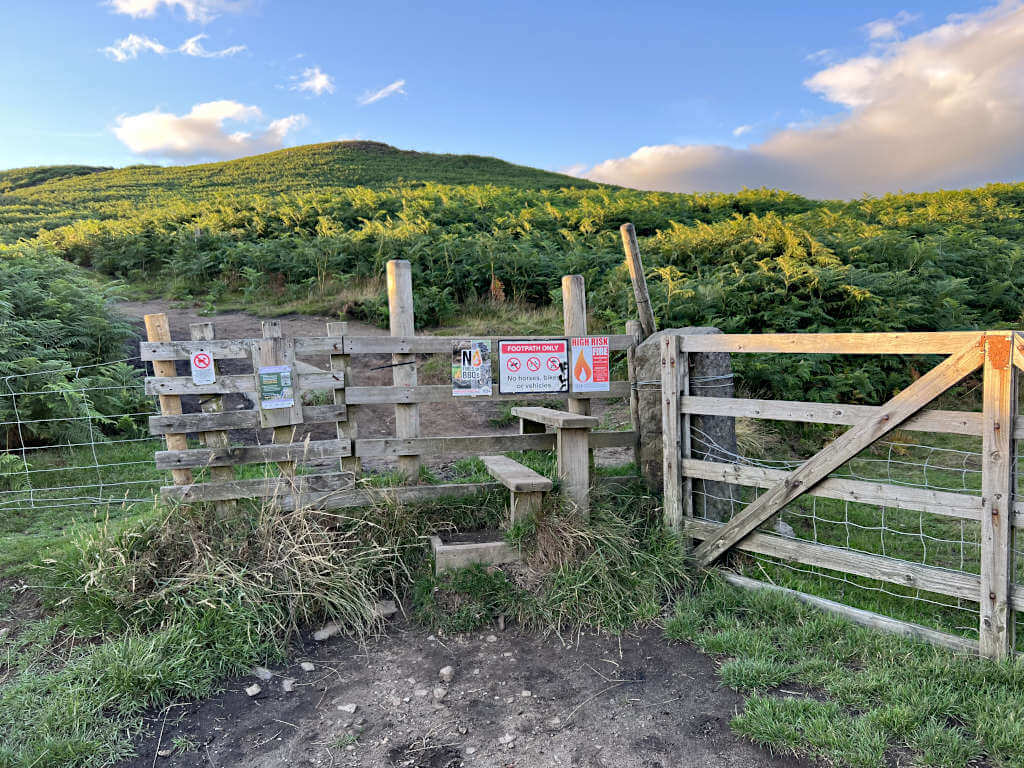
x=550, y=84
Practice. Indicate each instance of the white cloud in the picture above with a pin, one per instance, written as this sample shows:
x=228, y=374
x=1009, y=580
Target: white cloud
x=888, y=29
x=202, y=11
x=194, y=47
x=129, y=48
x=944, y=108
x=202, y=132
x=739, y=130
x=388, y=90
x=314, y=80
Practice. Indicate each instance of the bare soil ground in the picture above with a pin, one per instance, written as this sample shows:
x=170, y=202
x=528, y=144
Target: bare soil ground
x=516, y=699
x=466, y=416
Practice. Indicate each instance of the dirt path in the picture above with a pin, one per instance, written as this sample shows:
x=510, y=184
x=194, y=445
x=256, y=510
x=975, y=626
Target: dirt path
x=515, y=700
x=458, y=417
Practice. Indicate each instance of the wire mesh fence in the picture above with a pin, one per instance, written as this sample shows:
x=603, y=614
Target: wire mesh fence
x=74, y=446
x=943, y=463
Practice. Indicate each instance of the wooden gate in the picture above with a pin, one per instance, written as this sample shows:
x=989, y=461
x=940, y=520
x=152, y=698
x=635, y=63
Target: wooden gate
x=999, y=353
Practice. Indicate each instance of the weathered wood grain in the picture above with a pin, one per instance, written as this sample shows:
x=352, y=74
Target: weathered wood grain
x=252, y=454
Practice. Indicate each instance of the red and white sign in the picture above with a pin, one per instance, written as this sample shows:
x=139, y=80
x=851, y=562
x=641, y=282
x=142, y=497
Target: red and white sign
x=533, y=366
x=588, y=364
x=202, y=368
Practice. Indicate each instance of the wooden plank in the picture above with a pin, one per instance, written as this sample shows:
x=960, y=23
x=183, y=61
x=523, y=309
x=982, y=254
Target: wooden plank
x=367, y=497
x=244, y=383
x=478, y=444
x=220, y=349
x=274, y=350
x=514, y=475
x=522, y=504
x=439, y=345
x=913, y=575
x=999, y=406
x=949, y=422
x=347, y=425
x=864, y=618
x=252, y=454
x=248, y=419
x=638, y=278
x=158, y=330
x=960, y=506
x=844, y=448
x=214, y=405
x=685, y=432
x=259, y=488
x=557, y=419
x=403, y=371
x=573, y=466
x=946, y=342
x=574, y=320
x=633, y=329
x=442, y=393
x=671, y=440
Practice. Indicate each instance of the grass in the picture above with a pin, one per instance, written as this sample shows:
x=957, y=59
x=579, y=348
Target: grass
x=821, y=687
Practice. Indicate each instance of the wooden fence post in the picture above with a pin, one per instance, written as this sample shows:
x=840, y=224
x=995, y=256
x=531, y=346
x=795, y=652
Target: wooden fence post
x=999, y=408
x=574, y=317
x=671, y=441
x=634, y=329
x=639, y=280
x=273, y=350
x=157, y=329
x=403, y=323
x=214, y=404
x=347, y=429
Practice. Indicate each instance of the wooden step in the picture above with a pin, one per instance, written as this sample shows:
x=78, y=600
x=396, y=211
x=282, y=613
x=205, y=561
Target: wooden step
x=557, y=419
x=514, y=475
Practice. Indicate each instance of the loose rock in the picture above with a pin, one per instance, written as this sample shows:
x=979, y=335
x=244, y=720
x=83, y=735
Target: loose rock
x=507, y=739
x=262, y=673
x=384, y=609
x=439, y=693
x=307, y=666
x=253, y=690
x=349, y=708
x=447, y=674
x=327, y=631
x=288, y=684
x=492, y=638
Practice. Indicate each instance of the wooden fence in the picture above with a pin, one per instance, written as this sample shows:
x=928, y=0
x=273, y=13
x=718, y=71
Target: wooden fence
x=998, y=353
x=206, y=472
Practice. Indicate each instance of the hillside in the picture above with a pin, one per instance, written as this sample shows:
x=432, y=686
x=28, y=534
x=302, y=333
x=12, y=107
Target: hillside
x=310, y=229
x=70, y=194
x=20, y=178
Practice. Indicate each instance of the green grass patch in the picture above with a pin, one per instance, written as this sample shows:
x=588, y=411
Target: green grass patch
x=882, y=695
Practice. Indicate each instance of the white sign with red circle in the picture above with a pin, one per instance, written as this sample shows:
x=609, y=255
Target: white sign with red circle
x=202, y=368
x=533, y=366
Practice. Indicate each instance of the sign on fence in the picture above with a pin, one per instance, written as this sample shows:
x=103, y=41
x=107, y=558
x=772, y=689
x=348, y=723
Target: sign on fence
x=590, y=370
x=202, y=368
x=471, y=368
x=533, y=366
x=276, y=389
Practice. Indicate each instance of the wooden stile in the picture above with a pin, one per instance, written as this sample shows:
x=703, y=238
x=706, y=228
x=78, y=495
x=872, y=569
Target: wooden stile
x=157, y=329
x=633, y=329
x=403, y=323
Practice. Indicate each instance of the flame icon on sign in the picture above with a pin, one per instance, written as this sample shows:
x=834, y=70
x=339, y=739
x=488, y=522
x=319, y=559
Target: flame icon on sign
x=581, y=371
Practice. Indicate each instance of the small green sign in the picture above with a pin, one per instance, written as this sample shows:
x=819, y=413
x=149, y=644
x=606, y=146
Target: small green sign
x=276, y=390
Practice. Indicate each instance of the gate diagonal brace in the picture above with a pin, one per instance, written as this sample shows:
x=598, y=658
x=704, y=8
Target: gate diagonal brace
x=849, y=444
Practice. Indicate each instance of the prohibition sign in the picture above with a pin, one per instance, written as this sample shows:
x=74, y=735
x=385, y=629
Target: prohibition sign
x=533, y=363
x=513, y=364
x=554, y=363
x=202, y=360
